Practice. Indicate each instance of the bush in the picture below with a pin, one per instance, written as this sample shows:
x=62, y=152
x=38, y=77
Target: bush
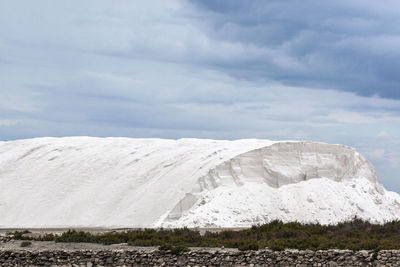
x=78, y=237
x=26, y=243
x=248, y=246
x=165, y=247
x=174, y=249
x=276, y=235
x=179, y=248
x=19, y=235
x=277, y=245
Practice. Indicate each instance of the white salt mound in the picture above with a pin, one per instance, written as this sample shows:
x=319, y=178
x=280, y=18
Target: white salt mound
x=123, y=182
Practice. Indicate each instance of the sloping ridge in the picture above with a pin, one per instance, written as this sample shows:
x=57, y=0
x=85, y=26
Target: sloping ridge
x=125, y=182
x=103, y=182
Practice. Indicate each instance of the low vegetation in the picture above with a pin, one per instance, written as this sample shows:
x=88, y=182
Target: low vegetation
x=26, y=243
x=174, y=249
x=276, y=235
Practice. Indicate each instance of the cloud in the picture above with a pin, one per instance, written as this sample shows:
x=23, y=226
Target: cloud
x=377, y=153
x=352, y=47
x=8, y=122
x=342, y=46
x=350, y=117
x=20, y=101
x=395, y=161
x=382, y=134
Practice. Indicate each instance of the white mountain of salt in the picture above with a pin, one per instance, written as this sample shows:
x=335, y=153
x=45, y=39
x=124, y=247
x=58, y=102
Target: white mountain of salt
x=124, y=182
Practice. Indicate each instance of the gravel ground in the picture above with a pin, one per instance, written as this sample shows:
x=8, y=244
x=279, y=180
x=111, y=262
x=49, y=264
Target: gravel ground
x=51, y=245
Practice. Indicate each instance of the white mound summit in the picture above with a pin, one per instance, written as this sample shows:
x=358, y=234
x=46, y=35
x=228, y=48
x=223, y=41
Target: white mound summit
x=122, y=182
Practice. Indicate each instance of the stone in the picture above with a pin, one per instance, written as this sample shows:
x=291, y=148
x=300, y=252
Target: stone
x=364, y=253
x=197, y=258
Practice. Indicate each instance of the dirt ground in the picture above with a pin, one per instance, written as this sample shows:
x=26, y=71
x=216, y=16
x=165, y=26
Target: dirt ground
x=51, y=245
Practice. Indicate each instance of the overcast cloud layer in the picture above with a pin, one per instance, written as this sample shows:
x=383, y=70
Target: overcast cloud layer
x=325, y=71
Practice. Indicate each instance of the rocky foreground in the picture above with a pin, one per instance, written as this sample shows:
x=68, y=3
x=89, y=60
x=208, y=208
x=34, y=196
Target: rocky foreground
x=53, y=254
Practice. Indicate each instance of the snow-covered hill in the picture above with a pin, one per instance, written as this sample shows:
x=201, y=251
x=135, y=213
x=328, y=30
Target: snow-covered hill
x=123, y=182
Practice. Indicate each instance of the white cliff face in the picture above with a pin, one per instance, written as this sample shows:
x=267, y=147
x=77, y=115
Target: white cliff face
x=122, y=182
x=293, y=162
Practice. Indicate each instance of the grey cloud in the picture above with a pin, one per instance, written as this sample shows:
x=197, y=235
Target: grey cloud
x=347, y=46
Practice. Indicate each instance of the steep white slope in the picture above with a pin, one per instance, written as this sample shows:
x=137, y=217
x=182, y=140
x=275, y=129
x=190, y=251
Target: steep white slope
x=122, y=182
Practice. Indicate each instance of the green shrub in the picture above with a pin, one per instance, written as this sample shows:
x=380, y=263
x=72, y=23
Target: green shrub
x=277, y=246
x=19, y=235
x=174, y=249
x=47, y=237
x=165, y=247
x=26, y=243
x=248, y=246
x=77, y=237
x=253, y=246
x=276, y=235
x=179, y=248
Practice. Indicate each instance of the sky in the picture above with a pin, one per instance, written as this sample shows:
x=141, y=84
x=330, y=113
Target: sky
x=324, y=71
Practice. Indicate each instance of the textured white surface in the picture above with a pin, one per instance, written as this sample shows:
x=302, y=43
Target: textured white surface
x=123, y=182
